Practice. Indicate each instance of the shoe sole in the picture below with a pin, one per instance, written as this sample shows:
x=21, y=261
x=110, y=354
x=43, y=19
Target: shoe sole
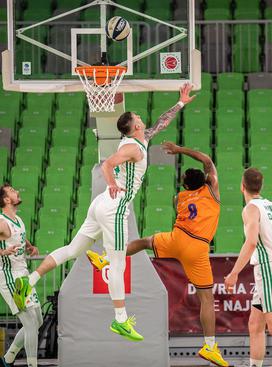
x=124, y=336
x=17, y=294
x=93, y=263
x=206, y=359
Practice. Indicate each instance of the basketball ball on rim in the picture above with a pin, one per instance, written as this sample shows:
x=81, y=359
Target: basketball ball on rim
x=117, y=28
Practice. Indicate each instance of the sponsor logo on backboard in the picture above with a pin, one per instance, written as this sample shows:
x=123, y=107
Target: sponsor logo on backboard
x=170, y=62
x=101, y=279
x=26, y=68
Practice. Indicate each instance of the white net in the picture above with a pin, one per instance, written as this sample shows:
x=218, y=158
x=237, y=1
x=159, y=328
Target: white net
x=101, y=96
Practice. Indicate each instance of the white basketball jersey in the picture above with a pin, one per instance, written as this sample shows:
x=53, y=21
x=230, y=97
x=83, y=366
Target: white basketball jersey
x=129, y=175
x=15, y=262
x=263, y=251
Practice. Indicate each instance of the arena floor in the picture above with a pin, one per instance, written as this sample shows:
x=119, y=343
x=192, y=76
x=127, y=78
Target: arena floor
x=186, y=362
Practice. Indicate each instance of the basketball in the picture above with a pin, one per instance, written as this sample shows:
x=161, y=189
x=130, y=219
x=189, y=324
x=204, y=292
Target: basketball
x=117, y=28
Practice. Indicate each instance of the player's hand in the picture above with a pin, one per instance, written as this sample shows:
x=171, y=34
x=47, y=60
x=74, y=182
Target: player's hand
x=184, y=93
x=32, y=250
x=230, y=281
x=114, y=189
x=170, y=148
x=12, y=250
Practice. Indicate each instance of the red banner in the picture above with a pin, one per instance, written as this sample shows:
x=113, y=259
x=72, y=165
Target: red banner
x=232, y=311
x=100, y=279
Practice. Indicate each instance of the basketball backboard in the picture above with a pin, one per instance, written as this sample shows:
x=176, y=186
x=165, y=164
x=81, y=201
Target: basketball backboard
x=42, y=53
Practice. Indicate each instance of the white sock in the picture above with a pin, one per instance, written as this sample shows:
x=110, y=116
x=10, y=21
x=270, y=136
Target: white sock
x=255, y=363
x=210, y=340
x=32, y=362
x=11, y=354
x=33, y=278
x=120, y=314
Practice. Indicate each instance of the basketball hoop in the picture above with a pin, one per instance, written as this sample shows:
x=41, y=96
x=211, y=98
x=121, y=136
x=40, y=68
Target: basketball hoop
x=100, y=84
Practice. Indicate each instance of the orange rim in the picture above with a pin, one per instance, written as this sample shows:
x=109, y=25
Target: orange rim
x=103, y=73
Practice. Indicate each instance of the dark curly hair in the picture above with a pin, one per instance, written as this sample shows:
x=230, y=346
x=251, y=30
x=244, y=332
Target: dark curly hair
x=124, y=123
x=193, y=179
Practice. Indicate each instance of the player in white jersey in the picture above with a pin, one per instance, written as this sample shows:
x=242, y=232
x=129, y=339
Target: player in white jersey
x=13, y=247
x=108, y=213
x=257, y=218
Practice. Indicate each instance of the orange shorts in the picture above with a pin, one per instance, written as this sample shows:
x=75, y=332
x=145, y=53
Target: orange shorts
x=193, y=254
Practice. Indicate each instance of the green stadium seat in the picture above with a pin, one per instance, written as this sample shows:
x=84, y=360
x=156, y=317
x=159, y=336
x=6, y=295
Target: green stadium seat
x=4, y=155
x=49, y=216
x=197, y=117
x=217, y=4
x=197, y=138
x=230, y=98
x=8, y=116
x=231, y=117
x=230, y=193
x=230, y=175
x=229, y=239
x=79, y=217
x=259, y=150
x=188, y=162
x=25, y=155
x=90, y=137
x=86, y=175
x=247, y=14
x=203, y=100
x=259, y=98
x=164, y=100
x=261, y=136
x=161, y=174
x=155, y=215
x=10, y=99
x=35, y=137
x=230, y=142
x=36, y=14
x=159, y=195
x=246, y=59
x=42, y=100
x=90, y=155
x=136, y=100
x=231, y=215
x=60, y=175
x=25, y=176
x=70, y=102
x=165, y=135
x=230, y=81
x=36, y=119
x=234, y=159
x=69, y=119
x=206, y=81
x=137, y=206
x=49, y=239
x=244, y=4
x=216, y=14
x=60, y=155
x=57, y=199
x=84, y=200
x=69, y=136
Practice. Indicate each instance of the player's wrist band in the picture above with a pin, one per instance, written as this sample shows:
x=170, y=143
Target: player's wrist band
x=181, y=104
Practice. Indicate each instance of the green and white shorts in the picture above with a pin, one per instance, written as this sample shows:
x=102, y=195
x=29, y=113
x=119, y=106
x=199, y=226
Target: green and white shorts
x=262, y=297
x=108, y=217
x=7, y=288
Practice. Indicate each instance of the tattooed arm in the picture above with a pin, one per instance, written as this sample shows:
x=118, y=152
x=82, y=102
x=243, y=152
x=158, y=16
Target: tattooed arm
x=165, y=119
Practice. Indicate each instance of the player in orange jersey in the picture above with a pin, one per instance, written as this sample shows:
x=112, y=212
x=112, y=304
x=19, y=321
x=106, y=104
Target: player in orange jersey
x=198, y=210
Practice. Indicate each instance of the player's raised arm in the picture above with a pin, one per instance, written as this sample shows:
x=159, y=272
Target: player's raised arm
x=208, y=165
x=251, y=218
x=165, y=119
x=129, y=152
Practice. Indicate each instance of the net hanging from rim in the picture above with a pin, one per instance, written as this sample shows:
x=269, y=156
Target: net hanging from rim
x=100, y=84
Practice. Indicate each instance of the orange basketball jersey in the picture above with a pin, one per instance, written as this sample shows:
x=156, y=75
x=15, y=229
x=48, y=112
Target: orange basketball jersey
x=198, y=213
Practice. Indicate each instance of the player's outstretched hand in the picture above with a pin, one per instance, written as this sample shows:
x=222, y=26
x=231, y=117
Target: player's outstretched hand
x=184, y=93
x=170, y=148
x=32, y=250
x=114, y=189
x=230, y=281
x=12, y=250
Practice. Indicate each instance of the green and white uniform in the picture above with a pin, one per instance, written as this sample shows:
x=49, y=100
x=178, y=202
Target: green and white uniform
x=262, y=257
x=109, y=216
x=14, y=266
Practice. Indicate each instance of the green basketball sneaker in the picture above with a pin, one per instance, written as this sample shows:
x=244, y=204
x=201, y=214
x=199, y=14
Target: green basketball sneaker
x=22, y=290
x=126, y=329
